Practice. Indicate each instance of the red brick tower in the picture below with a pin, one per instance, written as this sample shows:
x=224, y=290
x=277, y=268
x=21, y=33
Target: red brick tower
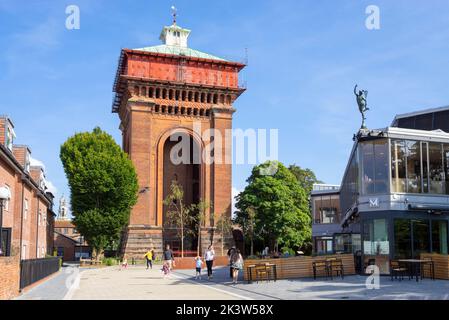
x=161, y=90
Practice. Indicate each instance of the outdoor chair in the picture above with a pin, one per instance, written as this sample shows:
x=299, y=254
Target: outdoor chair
x=428, y=268
x=262, y=272
x=336, y=265
x=320, y=266
x=397, y=270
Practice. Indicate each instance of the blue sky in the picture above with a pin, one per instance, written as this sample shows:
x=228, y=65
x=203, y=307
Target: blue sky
x=304, y=59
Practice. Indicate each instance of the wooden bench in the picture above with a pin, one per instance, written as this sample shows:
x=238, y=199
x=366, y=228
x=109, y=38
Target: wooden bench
x=91, y=262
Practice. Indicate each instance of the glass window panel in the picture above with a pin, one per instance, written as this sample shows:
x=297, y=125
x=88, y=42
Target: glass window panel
x=376, y=245
x=441, y=121
x=402, y=239
x=327, y=210
x=374, y=155
x=350, y=185
x=316, y=209
x=424, y=122
x=356, y=242
x=368, y=177
x=398, y=162
x=380, y=166
x=439, y=237
x=323, y=245
x=420, y=237
x=425, y=166
x=446, y=166
x=436, y=172
x=413, y=166
x=375, y=237
x=336, y=206
x=408, y=123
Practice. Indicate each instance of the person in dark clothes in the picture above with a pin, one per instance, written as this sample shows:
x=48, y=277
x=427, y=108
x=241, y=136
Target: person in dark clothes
x=230, y=253
x=168, y=257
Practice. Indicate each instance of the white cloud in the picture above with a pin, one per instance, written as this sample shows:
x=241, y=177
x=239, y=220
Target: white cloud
x=51, y=187
x=36, y=163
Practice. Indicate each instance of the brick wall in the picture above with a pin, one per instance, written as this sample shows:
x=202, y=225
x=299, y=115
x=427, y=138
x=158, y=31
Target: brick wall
x=2, y=130
x=61, y=241
x=9, y=277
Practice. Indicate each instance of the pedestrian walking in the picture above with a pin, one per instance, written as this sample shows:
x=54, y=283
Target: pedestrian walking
x=166, y=269
x=209, y=257
x=237, y=265
x=198, y=266
x=230, y=253
x=124, y=264
x=168, y=256
x=149, y=258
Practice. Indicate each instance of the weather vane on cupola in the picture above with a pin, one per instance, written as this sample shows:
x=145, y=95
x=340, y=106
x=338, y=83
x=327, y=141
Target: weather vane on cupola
x=174, y=13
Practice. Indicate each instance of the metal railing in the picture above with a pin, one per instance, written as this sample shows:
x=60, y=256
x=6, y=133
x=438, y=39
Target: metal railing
x=33, y=270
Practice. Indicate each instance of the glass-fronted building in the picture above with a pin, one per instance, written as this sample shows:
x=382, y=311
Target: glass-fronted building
x=394, y=194
x=327, y=234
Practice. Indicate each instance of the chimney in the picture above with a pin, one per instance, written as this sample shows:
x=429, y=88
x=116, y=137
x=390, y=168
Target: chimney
x=7, y=133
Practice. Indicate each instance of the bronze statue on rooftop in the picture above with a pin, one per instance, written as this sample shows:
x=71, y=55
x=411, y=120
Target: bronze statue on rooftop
x=361, y=101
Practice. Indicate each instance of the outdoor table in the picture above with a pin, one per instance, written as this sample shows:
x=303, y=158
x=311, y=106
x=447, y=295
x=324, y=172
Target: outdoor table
x=252, y=266
x=415, y=267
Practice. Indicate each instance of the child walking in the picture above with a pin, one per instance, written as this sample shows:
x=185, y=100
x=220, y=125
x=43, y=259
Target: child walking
x=198, y=265
x=165, y=269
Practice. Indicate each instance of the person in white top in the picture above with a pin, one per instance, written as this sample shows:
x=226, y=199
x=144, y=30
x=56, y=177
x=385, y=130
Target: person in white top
x=209, y=256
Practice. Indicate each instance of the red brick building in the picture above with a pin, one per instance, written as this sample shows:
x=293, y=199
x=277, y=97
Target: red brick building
x=28, y=218
x=168, y=90
x=68, y=242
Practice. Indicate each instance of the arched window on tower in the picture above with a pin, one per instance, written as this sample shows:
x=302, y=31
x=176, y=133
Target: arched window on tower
x=136, y=90
x=215, y=98
x=164, y=93
x=150, y=92
x=197, y=96
x=158, y=93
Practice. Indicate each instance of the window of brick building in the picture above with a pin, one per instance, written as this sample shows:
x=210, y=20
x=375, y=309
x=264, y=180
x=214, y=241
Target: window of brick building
x=6, y=203
x=6, y=242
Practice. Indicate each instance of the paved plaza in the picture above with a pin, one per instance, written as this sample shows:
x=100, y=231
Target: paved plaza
x=137, y=283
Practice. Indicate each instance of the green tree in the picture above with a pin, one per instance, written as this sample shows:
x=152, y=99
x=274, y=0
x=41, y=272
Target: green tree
x=178, y=213
x=103, y=185
x=200, y=209
x=280, y=204
x=306, y=177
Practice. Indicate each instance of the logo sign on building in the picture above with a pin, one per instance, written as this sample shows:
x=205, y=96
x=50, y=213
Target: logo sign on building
x=374, y=202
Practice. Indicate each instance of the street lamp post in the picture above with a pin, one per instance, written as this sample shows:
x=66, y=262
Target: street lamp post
x=4, y=196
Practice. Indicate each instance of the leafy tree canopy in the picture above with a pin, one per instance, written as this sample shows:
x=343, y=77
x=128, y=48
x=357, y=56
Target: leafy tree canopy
x=103, y=185
x=280, y=204
x=306, y=177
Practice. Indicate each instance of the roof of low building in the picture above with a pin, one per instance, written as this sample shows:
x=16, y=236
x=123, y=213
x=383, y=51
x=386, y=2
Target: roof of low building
x=420, y=112
x=64, y=224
